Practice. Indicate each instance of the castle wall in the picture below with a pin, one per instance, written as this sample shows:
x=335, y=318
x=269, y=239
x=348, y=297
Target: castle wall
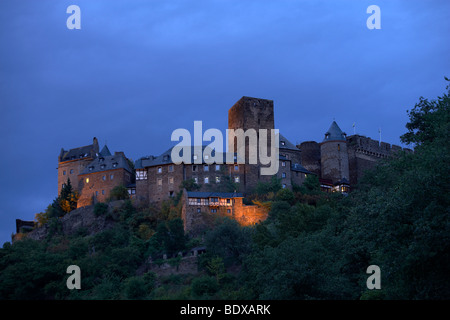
x=311, y=158
x=100, y=185
x=71, y=170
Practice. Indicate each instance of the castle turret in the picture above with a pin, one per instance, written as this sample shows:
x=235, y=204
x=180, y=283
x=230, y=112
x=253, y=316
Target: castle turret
x=334, y=156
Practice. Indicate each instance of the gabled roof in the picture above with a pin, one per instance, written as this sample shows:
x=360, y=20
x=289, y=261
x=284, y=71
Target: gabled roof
x=299, y=168
x=197, y=194
x=77, y=153
x=105, y=151
x=166, y=158
x=111, y=162
x=286, y=144
x=334, y=133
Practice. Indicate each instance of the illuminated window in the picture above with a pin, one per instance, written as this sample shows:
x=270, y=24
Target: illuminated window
x=170, y=180
x=206, y=179
x=236, y=179
x=217, y=179
x=87, y=180
x=141, y=174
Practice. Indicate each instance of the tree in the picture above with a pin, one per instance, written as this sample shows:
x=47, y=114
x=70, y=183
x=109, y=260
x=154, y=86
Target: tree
x=119, y=193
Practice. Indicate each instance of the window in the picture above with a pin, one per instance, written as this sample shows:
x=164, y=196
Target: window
x=206, y=168
x=103, y=192
x=199, y=210
x=283, y=175
x=87, y=180
x=199, y=200
x=170, y=180
x=159, y=169
x=228, y=200
x=217, y=179
x=194, y=168
x=282, y=143
x=170, y=193
x=236, y=168
x=206, y=179
x=228, y=210
x=214, y=200
x=91, y=168
x=141, y=174
x=71, y=171
x=170, y=168
x=236, y=179
x=111, y=177
x=213, y=210
x=114, y=164
x=283, y=163
x=64, y=172
x=102, y=166
x=101, y=159
x=96, y=193
x=195, y=179
x=217, y=167
x=159, y=181
x=284, y=186
x=104, y=178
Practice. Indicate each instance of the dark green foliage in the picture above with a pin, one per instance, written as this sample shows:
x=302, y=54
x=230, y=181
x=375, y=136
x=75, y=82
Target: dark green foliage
x=119, y=193
x=100, y=209
x=189, y=185
x=312, y=246
x=204, y=287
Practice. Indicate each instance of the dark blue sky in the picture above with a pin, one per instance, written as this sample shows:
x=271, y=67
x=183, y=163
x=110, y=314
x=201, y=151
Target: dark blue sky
x=137, y=70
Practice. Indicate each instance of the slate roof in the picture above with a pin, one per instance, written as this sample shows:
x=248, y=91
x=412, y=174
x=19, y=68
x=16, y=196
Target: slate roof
x=166, y=158
x=299, y=168
x=105, y=151
x=197, y=194
x=77, y=153
x=110, y=162
x=287, y=144
x=334, y=133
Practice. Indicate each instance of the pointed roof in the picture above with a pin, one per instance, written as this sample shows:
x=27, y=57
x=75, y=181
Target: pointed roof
x=105, y=151
x=334, y=133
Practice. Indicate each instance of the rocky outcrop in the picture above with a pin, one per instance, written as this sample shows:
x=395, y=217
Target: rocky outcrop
x=77, y=220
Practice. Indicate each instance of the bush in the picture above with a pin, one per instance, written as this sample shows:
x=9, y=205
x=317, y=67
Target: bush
x=119, y=193
x=204, y=286
x=100, y=209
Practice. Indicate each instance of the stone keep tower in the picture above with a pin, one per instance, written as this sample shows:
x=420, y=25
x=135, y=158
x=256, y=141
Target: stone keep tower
x=251, y=113
x=334, y=156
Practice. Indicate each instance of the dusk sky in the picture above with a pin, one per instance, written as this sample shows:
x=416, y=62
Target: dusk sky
x=137, y=70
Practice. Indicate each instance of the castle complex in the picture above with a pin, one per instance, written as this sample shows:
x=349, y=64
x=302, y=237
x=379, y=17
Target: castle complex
x=338, y=160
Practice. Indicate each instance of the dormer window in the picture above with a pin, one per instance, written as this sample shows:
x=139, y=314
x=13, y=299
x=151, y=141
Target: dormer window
x=102, y=166
x=114, y=164
x=91, y=168
x=166, y=158
x=101, y=159
x=282, y=143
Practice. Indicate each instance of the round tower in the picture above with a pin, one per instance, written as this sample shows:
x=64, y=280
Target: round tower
x=333, y=155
